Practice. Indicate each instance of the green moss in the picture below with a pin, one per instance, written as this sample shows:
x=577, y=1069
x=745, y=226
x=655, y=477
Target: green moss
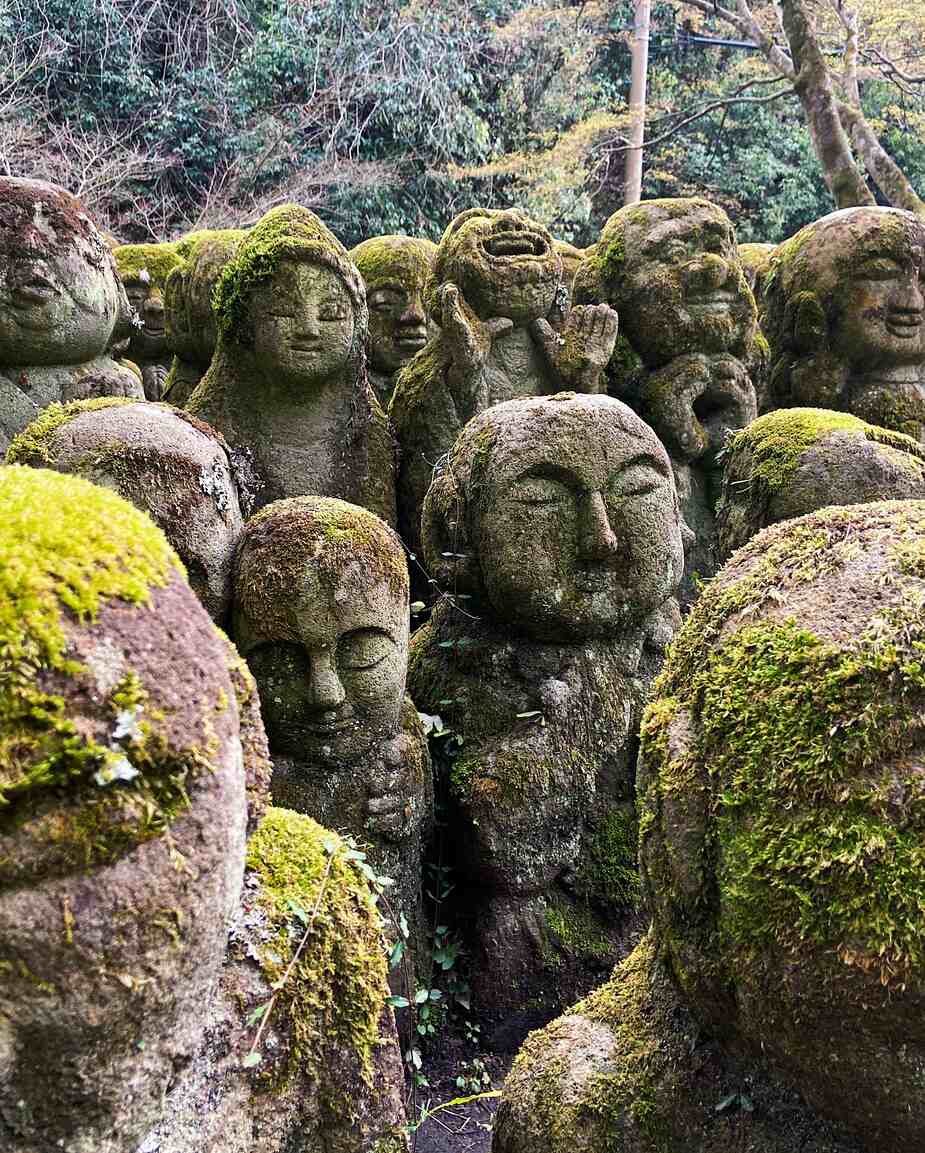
x=32, y=445
x=802, y=749
x=390, y=257
x=336, y=992
x=577, y=930
x=288, y=232
x=191, y=241
x=158, y=260
x=607, y=871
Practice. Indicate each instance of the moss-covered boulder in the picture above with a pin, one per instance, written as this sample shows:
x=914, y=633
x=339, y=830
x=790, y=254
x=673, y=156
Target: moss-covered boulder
x=143, y=270
x=321, y=614
x=300, y=1052
x=498, y=293
x=689, y=356
x=395, y=271
x=287, y=386
x=557, y=519
x=60, y=308
x=795, y=460
x=127, y=754
x=170, y=465
x=189, y=319
x=846, y=318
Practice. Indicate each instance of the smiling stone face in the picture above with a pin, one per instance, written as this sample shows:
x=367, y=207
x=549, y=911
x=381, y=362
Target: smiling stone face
x=504, y=264
x=395, y=270
x=304, y=324
x=672, y=270
x=321, y=612
x=572, y=514
x=59, y=296
x=143, y=270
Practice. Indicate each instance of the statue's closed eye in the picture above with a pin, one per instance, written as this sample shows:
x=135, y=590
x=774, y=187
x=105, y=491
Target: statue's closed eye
x=540, y=491
x=878, y=268
x=363, y=649
x=635, y=480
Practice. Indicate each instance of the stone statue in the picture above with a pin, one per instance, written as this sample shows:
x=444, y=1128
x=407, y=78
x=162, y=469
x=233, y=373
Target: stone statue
x=795, y=460
x=558, y=520
x=689, y=346
x=498, y=293
x=321, y=615
x=395, y=271
x=189, y=319
x=165, y=462
x=571, y=258
x=846, y=317
x=60, y=305
x=132, y=765
x=143, y=270
x=756, y=262
x=287, y=386
x=778, y=1003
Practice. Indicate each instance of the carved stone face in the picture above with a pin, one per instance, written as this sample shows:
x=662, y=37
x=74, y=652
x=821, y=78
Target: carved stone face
x=575, y=520
x=303, y=324
x=503, y=263
x=59, y=296
x=394, y=270
x=148, y=302
x=330, y=652
x=682, y=288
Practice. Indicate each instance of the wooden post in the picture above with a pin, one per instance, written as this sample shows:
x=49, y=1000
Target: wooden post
x=633, y=179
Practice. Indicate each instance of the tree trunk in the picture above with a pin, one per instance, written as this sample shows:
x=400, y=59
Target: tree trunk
x=814, y=88
x=633, y=179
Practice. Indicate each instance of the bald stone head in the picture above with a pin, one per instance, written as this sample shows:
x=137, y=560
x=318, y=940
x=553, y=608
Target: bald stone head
x=565, y=511
x=60, y=299
x=395, y=271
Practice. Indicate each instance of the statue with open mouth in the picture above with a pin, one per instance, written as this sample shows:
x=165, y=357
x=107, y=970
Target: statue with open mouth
x=498, y=292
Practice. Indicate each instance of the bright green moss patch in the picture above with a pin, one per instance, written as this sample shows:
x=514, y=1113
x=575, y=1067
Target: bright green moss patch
x=335, y=994
x=577, y=930
x=384, y=258
x=158, y=260
x=32, y=445
x=66, y=548
x=607, y=871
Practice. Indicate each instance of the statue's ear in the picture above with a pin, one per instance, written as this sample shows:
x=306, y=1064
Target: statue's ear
x=448, y=552
x=806, y=323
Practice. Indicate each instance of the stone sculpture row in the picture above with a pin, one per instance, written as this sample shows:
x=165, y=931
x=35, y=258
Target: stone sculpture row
x=554, y=529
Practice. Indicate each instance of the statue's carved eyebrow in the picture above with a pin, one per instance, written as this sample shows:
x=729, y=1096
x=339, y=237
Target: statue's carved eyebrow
x=391, y=285
x=645, y=458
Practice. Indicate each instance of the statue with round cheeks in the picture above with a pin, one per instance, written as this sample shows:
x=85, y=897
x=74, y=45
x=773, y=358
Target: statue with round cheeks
x=568, y=508
x=846, y=317
x=395, y=271
x=143, y=270
x=287, y=385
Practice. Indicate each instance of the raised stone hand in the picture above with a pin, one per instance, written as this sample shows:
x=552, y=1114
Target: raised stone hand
x=579, y=352
x=467, y=344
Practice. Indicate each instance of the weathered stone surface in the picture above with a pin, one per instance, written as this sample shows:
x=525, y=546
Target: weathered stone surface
x=170, y=465
x=143, y=270
x=287, y=387
x=60, y=305
x=330, y=1073
x=846, y=318
x=395, y=271
x=124, y=794
x=689, y=352
x=558, y=519
x=190, y=321
x=321, y=614
x=795, y=460
x=498, y=292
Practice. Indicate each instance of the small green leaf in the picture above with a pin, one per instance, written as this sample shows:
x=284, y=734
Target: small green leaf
x=251, y=1060
x=398, y=1002
x=257, y=1014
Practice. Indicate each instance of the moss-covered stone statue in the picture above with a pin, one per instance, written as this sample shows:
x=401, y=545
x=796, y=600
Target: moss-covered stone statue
x=395, y=271
x=287, y=386
x=143, y=270
x=132, y=765
x=557, y=518
x=778, y=1004
x=795, y=460
x=124, y=738
x=756, y=262
x=499, y=295
x=165, y=462
x=571, y=258
x=60, y=305
x=188, y=314
x=321, y=615
x=689, y=350
x=845, y=302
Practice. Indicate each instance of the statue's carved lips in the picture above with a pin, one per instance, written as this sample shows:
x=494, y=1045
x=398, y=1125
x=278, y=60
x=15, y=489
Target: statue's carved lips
x=411, y=339
x=904, y=324
x=33, y=288
x=718, y=301
x=515, y=243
